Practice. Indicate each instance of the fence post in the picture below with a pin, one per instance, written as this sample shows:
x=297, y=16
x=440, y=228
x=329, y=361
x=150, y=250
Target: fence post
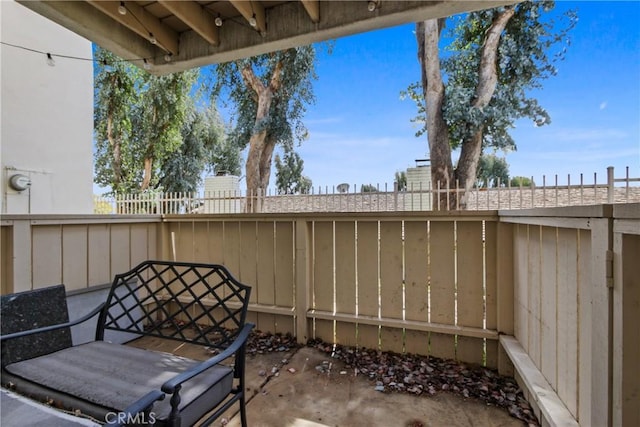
x=505, y=292
x=610, y=182
x=21, y=260
x=303, y=278
x=595, y=329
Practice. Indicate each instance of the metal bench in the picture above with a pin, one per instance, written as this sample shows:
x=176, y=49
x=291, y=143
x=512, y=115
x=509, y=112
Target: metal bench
x=119, y=384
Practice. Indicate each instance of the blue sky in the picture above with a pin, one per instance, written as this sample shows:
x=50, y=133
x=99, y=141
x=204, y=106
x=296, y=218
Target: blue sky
x=360, y=129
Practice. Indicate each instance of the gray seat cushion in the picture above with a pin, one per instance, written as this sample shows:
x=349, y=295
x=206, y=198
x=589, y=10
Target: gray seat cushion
x=113, y=376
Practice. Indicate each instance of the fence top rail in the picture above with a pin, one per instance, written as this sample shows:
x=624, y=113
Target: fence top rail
x=589, y=211
x=628, y=211
x=459, y=215
x=68, y=218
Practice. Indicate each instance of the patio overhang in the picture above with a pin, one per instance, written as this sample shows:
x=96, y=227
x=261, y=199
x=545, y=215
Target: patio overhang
x=178, y=35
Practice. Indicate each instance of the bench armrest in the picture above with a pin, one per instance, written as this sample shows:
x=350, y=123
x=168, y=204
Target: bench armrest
x=128, y=416
x=84, y=318
x=170, y=386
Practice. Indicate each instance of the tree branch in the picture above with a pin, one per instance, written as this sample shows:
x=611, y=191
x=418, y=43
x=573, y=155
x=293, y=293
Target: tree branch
x=251, y=80
x=488, y=74
x=276, y=81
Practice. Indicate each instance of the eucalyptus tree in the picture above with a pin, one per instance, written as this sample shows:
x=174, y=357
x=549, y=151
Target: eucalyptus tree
x=159, y=117
x=270, y=93
x=138, y=121
x=472, y=92
x=115, y=96
x=289, y=177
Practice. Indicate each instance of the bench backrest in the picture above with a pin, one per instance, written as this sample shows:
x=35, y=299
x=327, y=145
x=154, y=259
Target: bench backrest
x=198, y=303
x=33, y=309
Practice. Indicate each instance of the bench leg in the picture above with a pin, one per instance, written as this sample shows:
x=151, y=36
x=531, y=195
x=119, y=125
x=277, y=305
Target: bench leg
x=243, y=411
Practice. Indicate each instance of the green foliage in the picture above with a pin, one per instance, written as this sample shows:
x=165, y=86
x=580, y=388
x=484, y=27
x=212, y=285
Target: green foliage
x=521, y=181
x=368, y=188
x=115, y=95
x=204, y=147
x=145, y=121
x=400, y=179
x=492, y=171
x=524, y=60
x=289, y=178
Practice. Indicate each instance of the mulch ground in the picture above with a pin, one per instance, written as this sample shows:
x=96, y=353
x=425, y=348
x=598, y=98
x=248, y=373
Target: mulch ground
x=418, y=375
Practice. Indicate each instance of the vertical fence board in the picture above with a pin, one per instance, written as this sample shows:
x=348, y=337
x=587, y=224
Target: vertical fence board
x=492, y=351
x=200, y=242
x=470, y=350
x=416, y=284
x=184, y=240
x=99, y=254
x=586, y=322
x=248, y=257
x=120, y=248
x=139, y=243
x=548, y=348
x=74, y=257
x=265, y=283
x=47, y=255
x=416, y=273
x=567, y=331
x=6, y=260
x=391, y=283
x=231, y=247
x=214, y=237
x=470, y=290
x=323, y=285
x=491, y=274
x=391, y=280
x=345, y=282
x=284, y=260
x=416, y=342
x=626, y=318
x=392, y=339
x=367, y=264
x=534, y=269
x=346, y=333
x=284, y=325
x=521, y=274
x=442, y=268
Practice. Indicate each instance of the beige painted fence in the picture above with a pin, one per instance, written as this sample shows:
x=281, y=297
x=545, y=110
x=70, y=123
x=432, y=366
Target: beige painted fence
x=563, y=281
x=563, y=295
x=79, y=251
x=368, y=280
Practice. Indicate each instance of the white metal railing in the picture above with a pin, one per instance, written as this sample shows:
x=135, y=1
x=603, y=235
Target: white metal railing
x=385, y=199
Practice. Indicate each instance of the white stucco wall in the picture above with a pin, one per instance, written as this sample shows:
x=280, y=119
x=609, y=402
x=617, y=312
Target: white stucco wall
x=46, y=115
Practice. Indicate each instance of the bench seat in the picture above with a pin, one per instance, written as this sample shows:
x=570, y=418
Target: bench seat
x=108, y=377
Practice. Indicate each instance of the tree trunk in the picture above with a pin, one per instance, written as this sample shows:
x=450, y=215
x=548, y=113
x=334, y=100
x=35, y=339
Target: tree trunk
x=465, y=173
x=258, y=166
x=117, y=154
x=146, y=177
x=428, y=35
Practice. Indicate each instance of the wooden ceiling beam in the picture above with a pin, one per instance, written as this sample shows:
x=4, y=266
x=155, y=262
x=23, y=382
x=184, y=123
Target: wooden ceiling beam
x=137, y=19
x=196, y=17
x=252, y=9
x=313, y=9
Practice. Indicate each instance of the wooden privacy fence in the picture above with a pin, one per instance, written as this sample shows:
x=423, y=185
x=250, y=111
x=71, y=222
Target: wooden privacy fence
x=412, y=284
x=570, y=317
x=557, y=288
x=415, y=283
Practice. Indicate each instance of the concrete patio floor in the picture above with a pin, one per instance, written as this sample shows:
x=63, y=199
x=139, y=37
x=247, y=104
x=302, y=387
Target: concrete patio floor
x=305, y=387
